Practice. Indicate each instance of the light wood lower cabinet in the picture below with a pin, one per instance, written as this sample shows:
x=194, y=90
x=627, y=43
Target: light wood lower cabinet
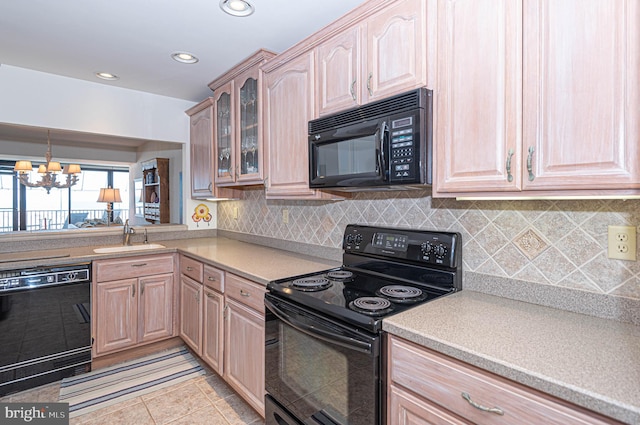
x=425, y=387
x=201, y=307
x=191, y=313
x=244, y=339
x=133, y=302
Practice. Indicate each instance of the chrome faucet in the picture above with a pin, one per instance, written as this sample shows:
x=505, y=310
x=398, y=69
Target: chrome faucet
x=127, y=232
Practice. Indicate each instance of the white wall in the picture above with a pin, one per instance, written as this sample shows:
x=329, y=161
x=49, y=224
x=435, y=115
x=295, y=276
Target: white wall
x=45, y=100
x=39, y=99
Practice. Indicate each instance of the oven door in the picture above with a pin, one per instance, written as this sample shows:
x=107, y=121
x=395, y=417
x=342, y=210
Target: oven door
x=319, y=371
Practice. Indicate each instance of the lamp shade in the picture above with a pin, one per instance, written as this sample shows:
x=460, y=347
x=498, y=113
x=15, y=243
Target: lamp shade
x=54, y=167
x=108, y=194
x=71, y=169
x=42, y=169
x=23, y=166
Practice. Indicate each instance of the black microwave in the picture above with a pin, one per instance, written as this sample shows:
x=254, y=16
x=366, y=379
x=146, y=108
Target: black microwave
x=384, y=144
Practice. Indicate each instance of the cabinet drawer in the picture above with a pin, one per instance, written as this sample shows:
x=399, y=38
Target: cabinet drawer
x=192, y=268
x=248, y=293
x=126, y=268
x=213, y=278
x=443, y=381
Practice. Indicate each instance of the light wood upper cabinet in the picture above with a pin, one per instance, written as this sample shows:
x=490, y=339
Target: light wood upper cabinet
x=339, y=72
x=582, y=94
x=376, y=58
x=477, y=129
x=544, y=113
x=396, y=40
x=201, y=149
x=288, y=105
x=238, y=155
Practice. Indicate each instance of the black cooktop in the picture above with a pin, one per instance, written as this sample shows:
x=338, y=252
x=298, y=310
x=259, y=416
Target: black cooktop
x=385, y=271
x=339, y=298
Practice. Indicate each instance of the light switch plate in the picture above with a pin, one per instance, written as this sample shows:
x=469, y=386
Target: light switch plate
x=622, y=242
x=285, y=216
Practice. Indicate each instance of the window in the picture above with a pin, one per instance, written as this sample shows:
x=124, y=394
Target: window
x=31, y=208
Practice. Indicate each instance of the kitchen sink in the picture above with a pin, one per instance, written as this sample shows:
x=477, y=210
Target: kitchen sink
x=128, y=248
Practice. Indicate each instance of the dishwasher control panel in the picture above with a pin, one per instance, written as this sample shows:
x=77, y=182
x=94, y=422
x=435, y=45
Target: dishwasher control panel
x=23, y=279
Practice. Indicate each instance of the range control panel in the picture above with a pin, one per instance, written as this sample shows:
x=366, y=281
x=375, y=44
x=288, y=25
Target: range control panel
x=420, y=246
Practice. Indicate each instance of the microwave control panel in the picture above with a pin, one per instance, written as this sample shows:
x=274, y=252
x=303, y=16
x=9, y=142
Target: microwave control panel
x=403, y=148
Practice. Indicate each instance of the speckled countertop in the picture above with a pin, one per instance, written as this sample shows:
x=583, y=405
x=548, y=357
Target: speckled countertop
x=255, y=262
x=592, y=362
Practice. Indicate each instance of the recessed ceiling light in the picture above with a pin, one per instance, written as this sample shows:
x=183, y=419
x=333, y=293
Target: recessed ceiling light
x=107, y=76
x=184, y=57
x=237, y=7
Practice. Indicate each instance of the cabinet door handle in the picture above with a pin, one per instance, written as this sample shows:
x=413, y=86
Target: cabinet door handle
x=210, y=187
x=509, y=175
x=133, y=290
x=495, y=410
x=352, y=89
x=244, y=293
x=369, y=84
x=139, y=265
x=224, y=312
x=529, y=161
x=197, y=297
x=142, y=289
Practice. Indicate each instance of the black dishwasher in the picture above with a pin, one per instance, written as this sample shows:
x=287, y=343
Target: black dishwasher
x=45, y=325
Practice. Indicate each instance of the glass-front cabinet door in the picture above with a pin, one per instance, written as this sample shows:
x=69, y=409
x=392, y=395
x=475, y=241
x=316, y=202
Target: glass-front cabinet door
x=225, y=158
x=249, y=165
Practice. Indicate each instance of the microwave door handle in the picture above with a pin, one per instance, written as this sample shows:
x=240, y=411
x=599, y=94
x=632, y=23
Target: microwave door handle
x=317, y=331
x=381, y=148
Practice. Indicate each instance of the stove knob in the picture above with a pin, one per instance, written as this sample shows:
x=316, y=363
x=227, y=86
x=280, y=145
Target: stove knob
x=349, y=239
x=358, y=238
x=426, y=248
x=440, y=251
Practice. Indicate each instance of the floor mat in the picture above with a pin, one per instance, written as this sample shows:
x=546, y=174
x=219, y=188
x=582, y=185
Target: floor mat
x=111, y=385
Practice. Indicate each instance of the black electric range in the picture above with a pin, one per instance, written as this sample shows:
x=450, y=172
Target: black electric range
x=385, y=271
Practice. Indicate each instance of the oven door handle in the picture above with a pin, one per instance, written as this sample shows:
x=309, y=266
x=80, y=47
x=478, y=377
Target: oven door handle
x=317, y=332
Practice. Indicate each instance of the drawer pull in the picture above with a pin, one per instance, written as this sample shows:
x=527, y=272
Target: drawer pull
x=244, y=293
x=211, y=279
x=495, y=410
x=139, y=265
x=189, y=269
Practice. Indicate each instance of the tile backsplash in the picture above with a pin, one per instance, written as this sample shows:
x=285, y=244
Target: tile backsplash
x=553, y=242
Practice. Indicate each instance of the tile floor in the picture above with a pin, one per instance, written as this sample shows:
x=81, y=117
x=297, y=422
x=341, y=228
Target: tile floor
x=203, y=400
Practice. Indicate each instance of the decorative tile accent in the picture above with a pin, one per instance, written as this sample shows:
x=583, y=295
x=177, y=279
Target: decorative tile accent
x=530, y=243
x=554, y=239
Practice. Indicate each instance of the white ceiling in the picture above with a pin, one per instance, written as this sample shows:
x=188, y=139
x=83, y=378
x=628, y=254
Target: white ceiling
x=135, y=38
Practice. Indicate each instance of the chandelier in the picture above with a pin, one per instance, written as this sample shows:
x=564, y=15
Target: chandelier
x=48, y=172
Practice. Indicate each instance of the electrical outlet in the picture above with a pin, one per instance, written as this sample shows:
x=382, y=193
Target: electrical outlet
x=285, y=216
x=235, y=213
x=622, y=242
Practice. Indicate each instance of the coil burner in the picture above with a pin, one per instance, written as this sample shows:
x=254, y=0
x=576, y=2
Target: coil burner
x=373, y=306
x=402, y=293
x=311, y=284
x=341, y=275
